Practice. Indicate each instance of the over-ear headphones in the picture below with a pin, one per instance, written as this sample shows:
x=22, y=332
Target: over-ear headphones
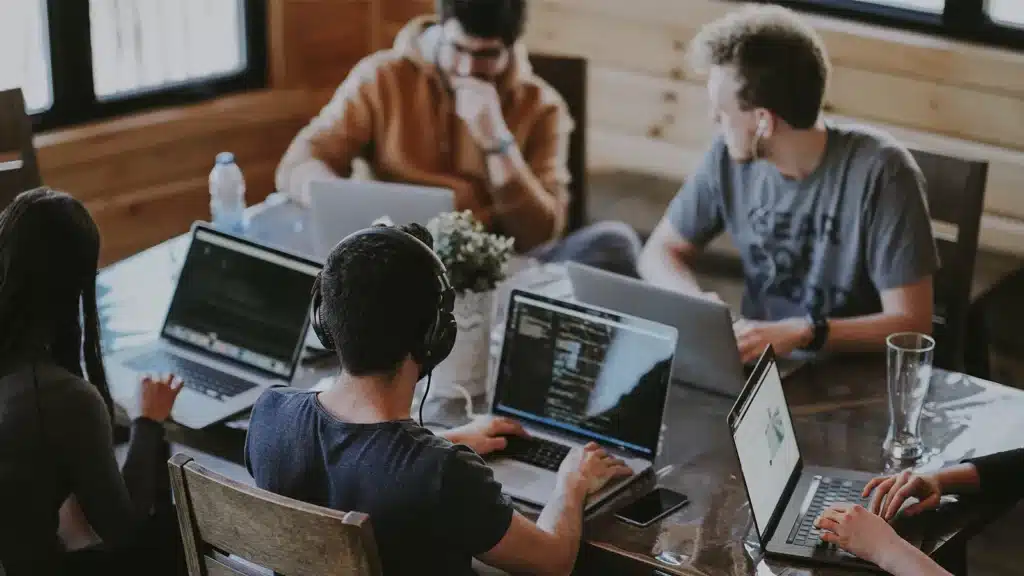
x=440, y=336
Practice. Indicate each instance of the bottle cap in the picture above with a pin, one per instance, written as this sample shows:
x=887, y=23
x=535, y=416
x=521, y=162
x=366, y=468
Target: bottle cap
x=225, y=158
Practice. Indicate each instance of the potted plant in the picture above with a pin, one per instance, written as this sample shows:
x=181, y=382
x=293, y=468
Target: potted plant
x=477, y=262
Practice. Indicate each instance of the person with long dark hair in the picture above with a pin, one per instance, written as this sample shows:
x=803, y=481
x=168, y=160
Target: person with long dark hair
x=56, y=440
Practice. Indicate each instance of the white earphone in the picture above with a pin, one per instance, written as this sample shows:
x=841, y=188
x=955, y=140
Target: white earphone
x=762, y=126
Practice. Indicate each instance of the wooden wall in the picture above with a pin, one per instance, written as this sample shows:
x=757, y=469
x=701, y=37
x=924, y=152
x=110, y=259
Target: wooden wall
x=648, y=112
x=144, y=178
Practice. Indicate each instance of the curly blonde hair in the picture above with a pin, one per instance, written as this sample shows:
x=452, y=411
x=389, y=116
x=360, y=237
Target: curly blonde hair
x=780, y=61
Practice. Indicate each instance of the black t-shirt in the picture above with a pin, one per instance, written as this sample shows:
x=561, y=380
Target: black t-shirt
x=433, y=505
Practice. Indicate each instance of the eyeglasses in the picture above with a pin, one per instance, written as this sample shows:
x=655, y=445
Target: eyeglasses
x=492, y=53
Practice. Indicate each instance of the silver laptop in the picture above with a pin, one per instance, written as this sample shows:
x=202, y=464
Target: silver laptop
x=571, y=374
x=235, y=326
x=707, y=356
x=785, y=494
x=340, y=207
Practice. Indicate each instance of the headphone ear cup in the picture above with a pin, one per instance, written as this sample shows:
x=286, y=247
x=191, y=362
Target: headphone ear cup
x=443, y=340
x=316, y=319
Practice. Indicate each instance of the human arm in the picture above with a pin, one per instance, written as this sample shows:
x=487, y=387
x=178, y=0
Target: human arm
x=551, y=545
x=694, y=217
x=666, y=259
x=485, y=434
x=904, y=309
x=528, y=183
x=871, y=538
x=999, y=475
x=326, y=147
x=112, y=501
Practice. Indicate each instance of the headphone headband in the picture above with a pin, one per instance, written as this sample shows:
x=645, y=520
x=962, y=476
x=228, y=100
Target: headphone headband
x=402, y=236
x=440, y=337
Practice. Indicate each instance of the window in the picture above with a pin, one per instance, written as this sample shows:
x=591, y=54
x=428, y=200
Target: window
x=933, y=6
x=1009, y=12
x=82, y=60
x=993, y=22
x=24, y=44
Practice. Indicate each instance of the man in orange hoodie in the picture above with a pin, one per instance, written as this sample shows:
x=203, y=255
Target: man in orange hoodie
x=455, y=104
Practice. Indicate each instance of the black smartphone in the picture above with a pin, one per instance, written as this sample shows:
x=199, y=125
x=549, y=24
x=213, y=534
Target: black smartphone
x=652, y=507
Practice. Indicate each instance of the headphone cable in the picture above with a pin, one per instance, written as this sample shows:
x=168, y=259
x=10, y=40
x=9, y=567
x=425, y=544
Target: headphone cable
x=423, y=400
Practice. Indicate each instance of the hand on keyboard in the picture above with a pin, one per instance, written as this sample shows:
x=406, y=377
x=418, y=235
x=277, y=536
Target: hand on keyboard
x=892, y=492
x=485, y=434
x=861, y=533
x=157, y=395
x=589, y=468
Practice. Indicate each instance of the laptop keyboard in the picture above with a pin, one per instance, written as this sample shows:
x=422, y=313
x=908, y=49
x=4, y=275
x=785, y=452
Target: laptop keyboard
x=196, y=376
x=830, y=491
x=536, y=451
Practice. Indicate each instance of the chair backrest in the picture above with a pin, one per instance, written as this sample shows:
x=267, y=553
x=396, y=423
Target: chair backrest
x=568, y=76
x=956, y=198
x=221, y=517
x=18, y=168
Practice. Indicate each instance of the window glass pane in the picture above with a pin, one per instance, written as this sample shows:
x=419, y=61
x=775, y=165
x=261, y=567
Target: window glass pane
x=25, y=52
x=934, y=6
x=1007, y=11
x=140, y=45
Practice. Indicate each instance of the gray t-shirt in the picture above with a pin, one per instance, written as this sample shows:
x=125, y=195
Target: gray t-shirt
x=830, y=242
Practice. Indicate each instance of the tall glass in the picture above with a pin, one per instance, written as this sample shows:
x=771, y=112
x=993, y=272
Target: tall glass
x=909, y=376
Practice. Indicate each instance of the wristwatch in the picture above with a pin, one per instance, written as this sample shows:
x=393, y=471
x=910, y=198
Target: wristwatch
x=819, y=326
x=502, y=146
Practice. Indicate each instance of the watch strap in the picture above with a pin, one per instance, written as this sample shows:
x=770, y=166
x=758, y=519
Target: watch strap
x=502, y=146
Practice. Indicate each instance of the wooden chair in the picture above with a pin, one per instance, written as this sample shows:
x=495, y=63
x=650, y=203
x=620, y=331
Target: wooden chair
x=220, y=517
x=956, y=198
x=18, y=168
x=569, y=77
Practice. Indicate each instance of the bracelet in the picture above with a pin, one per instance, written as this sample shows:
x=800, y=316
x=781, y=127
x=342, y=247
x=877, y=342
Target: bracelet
x=502, y=147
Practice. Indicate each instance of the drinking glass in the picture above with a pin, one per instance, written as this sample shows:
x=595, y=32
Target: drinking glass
x=909, y=376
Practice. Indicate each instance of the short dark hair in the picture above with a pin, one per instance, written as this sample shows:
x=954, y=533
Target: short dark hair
x=503, y=19
x=780, y=62
x=379, y=299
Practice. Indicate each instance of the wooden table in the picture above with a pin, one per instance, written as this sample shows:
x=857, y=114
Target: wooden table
x=839, y=408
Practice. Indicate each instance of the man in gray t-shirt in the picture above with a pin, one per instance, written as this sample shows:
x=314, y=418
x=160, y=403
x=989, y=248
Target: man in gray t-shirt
x=831, y=222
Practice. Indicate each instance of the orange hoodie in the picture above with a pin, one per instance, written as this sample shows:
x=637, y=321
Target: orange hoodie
x=394, y=112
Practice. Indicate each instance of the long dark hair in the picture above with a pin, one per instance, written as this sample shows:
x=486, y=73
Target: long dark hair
x=49, y=249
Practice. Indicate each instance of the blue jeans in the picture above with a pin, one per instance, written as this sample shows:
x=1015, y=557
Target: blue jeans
x=611, y=246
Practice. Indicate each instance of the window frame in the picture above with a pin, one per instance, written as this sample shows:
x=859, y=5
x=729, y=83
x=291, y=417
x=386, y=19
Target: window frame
x=73, y=95
x=964, y=20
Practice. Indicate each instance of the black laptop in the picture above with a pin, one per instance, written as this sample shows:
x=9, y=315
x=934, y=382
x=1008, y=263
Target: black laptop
x=785, y=494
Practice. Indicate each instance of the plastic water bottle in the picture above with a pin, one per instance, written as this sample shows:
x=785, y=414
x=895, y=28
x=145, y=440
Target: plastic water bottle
x=227, y=195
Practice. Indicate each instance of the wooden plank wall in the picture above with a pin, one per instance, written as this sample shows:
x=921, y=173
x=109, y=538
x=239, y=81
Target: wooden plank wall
x=144, y=177
x=648, y=111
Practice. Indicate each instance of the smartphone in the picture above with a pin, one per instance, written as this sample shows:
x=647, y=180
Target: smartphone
x=652, y=507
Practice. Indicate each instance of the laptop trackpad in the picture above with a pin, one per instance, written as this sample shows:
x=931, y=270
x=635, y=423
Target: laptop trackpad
x=519, y=477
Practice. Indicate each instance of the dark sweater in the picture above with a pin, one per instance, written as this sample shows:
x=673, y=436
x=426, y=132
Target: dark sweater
x=1001, y=474
x=56, y=440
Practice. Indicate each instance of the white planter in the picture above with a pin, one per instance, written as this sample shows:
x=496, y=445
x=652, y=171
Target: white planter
x=465, y=369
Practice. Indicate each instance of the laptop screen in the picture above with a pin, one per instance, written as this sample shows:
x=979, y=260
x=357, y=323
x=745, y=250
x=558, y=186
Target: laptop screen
x=765, y=444
x=242, y=302
x=587, y=371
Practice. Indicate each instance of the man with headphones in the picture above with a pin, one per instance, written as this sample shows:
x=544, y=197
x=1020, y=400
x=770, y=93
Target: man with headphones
x=831, y=221
x=384, y=305
x=455, y=104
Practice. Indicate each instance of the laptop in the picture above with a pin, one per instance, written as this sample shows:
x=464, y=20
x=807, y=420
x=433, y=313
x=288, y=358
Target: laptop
x=785, y=494
x=707, y=356
x=235, y=326
x=571, y=374
x=341, y=206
